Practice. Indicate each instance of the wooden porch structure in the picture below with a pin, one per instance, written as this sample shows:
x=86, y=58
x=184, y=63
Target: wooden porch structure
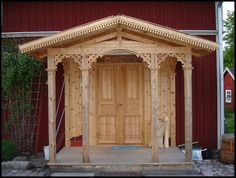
x=107, y=159
x=120, y=34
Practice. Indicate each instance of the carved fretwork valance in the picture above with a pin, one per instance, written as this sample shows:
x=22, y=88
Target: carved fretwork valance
x=164, y=56
x=147, y=57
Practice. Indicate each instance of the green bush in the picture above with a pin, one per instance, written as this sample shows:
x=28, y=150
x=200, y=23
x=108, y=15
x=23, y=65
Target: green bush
x=229, y=120
x=9, y=150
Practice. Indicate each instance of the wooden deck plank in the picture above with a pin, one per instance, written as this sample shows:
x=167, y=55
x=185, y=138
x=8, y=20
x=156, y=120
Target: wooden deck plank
x=106, y=155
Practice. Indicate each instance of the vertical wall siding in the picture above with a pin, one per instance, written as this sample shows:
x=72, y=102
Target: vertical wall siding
x=179, y=99
x=42, y=122
x=43, y=130
x=54, y=16
x=204, y=101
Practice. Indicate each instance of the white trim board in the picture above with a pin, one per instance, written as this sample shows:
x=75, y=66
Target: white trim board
x=48, y=33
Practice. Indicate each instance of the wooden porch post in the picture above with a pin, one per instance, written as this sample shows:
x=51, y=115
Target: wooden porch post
x=51, y=107
x=154, y=94
x=188, y=106
x=85, y=108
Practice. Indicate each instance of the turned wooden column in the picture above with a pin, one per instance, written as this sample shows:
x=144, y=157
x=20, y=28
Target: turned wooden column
x=188, y=106
x=154, y=95
x=51, y=69
x=85, y=108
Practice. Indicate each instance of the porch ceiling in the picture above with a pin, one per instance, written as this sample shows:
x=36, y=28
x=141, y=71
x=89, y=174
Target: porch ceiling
x=115, y=27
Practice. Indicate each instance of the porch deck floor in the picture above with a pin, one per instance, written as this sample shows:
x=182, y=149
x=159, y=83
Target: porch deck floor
x=107, y=155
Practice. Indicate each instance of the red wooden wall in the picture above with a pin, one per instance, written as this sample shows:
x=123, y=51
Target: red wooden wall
x=56, y=16
x=229, y=85
x=204, y=101
x=53, y=16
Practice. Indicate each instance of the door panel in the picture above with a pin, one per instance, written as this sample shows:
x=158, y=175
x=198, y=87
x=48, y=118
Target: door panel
x=120, y=104
x=107, y=113
x=132, y=110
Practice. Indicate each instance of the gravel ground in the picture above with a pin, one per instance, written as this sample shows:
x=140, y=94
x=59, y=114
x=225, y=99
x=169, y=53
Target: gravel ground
x=213, y=167
x=207, y=167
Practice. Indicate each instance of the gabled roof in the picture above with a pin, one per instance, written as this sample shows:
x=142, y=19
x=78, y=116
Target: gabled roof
x=230, y=71
x=199, y=45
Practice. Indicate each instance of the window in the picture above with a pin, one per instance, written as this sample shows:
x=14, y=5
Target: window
x=228, y=96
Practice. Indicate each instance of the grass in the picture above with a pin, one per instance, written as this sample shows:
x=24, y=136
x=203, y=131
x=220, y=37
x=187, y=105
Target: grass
x=229, y=121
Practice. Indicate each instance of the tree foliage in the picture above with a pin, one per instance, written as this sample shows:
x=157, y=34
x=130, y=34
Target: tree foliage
x=17, y=73
x=229, y=40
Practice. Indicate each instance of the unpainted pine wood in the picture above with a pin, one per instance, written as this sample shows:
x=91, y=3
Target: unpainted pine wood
x=85, y=109
x=107, y=110
x=167, y=130
x=71, y=99
x=120, y=107
x=132, y=101
x=119, y=103
x=162, y=101
x=79, y=102
x=147, y=105
x=74, y=93
x=188, y=106
x=66, y=67
x=155, y=118
x=172, y=105
x=92, y=117
x=125, y=44
x=94, y=40
x=51, y=108
x=73, y=120
x=167, y=98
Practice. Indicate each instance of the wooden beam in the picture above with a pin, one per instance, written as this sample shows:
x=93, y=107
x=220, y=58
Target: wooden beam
x=51, y=108
x=95, y=40
x=85, y=108
x=119, y=37
x=172, y=106
x=154, y=95
x=188, y=106
x=141, y=39
x=106, y=46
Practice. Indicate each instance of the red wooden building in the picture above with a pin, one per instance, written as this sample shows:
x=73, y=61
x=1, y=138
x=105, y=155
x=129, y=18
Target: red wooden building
x=25, y=21
x=229, y=88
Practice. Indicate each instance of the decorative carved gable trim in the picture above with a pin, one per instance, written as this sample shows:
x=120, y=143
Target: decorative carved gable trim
x=118, y=20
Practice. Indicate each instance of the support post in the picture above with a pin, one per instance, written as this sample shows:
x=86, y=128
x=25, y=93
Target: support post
x=85, y=108
x=51, y=69
x=188, y=106
x=154, y=95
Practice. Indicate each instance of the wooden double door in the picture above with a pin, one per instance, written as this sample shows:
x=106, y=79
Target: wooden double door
x=120, y=103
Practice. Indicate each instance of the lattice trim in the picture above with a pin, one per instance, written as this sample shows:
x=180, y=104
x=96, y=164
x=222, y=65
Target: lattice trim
x=162, y=57
x=59, y=57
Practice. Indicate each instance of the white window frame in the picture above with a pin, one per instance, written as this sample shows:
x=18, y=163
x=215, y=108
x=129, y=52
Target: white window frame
x=228, y=100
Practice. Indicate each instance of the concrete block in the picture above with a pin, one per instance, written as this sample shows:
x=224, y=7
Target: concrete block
x=21, y=158
x=21, y=165
x=72, y=174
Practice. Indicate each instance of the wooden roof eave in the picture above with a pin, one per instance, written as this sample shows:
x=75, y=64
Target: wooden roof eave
x=38, y=47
